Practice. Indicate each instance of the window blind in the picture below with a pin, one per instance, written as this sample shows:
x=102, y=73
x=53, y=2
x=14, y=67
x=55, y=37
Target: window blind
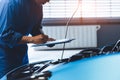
x=87, y=8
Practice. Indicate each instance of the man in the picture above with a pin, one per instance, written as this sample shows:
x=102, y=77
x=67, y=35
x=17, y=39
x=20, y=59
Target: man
x=18, y=19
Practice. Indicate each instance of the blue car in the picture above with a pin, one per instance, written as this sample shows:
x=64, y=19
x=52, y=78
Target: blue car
x=88, y=64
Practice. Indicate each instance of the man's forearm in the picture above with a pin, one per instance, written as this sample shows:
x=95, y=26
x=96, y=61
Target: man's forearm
x=34, y=39
x=26, y=39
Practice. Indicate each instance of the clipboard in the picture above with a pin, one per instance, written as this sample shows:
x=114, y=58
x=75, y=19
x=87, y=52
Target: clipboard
x=59, y=41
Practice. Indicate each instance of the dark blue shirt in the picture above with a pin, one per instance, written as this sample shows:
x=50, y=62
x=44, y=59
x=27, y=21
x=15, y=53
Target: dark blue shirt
x=17, y=18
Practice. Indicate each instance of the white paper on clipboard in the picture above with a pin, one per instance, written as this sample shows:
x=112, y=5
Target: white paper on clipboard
x=59, y=41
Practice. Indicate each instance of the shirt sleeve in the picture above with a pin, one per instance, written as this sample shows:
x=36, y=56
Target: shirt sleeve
x=9, y=35
x=37, y=29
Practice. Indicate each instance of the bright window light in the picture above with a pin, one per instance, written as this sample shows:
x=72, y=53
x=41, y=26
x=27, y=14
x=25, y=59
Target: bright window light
x=87, y=8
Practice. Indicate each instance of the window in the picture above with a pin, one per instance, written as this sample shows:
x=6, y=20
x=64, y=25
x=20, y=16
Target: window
x=87, y=9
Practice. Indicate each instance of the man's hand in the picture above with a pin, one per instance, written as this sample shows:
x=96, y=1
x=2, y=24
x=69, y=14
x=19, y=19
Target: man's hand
x=40, y=39
x=51, y=39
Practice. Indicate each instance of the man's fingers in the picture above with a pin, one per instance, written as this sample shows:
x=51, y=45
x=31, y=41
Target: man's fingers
x=51, y=39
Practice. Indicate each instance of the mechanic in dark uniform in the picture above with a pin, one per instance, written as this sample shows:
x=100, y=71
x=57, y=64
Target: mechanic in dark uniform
x=18, y=19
